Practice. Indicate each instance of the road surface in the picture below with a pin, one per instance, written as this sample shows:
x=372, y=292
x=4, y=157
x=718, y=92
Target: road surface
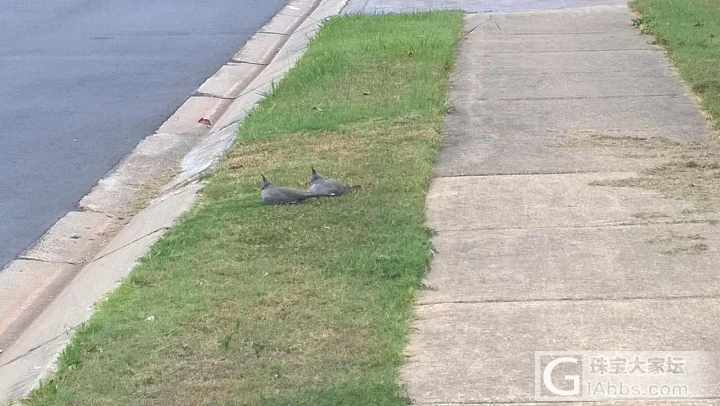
x=82, y=82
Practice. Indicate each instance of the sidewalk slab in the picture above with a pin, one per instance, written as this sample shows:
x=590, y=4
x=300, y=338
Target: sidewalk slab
x=553, y=85
x=633, y=61
x=542, y=201
x=698, y=402
x=547, y=150
x=663, y=113
x=647, y=261
x=548, y=101
x=604, y=16
x=501, y=43
x=483, y=352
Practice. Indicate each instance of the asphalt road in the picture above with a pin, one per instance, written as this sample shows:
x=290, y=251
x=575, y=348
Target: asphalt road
x=83, y=81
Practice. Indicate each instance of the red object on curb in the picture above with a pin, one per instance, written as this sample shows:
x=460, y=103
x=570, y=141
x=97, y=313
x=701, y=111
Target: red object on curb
x=205, y=121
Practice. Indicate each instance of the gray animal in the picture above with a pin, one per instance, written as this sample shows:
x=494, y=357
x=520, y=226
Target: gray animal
x=282, y=195
x=322, y=186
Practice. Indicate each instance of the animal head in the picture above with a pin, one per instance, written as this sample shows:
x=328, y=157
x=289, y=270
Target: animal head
x=314, y=176
x=265, y=183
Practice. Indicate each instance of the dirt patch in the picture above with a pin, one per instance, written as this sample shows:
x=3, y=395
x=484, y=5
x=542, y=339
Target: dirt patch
x=688, y=172
x=679, y=244
x=675, y=237
x=645, y=215
x=696, y=180
x=694, y=249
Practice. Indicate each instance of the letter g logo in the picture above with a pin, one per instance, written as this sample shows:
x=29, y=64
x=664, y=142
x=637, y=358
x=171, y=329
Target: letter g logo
x=550, y=385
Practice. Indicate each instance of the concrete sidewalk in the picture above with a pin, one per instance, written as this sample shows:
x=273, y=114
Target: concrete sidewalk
x=572, y=205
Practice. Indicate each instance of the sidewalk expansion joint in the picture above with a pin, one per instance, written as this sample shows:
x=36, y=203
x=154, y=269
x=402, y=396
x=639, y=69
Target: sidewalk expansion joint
x=629, y=73
x=578, y=299
x=634, y=96
x=544, y=402
x=513, y=34
x=499, y=402
x=572, y=51
x=572, y=227
x=498, y=174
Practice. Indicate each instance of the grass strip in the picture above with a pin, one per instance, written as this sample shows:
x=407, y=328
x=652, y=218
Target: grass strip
x=690, y=30
x=248, y=304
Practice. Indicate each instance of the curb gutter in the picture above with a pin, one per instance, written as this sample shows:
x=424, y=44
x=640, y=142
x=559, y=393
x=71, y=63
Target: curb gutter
x=50, y=290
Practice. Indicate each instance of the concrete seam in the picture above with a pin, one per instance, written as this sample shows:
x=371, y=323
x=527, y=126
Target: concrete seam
x=609, y=97
x=572, y=299
x=572, y=227
x=569, y=51
x=582, y=72
x=512, y=34
x=546, y=402
x=499, y=174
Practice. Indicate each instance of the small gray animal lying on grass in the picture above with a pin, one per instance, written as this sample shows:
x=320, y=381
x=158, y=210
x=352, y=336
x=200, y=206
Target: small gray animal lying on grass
x=282, y=195
x=327, y=187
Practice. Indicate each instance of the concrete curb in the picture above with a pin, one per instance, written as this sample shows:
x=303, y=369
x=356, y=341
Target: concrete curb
x=53, y=287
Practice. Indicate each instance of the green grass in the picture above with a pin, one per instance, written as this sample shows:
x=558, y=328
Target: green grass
x=690, y=30
x=304, y=304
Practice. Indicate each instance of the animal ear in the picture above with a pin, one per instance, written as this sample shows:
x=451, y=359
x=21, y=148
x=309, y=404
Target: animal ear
x=263, y=178
x=314, y=172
